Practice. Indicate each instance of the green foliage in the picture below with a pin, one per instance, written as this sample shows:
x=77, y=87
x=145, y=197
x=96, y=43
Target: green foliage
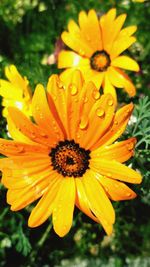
x=28, y=32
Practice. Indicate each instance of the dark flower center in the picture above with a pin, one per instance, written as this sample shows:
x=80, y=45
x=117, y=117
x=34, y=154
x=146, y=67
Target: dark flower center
x=100, y=60
x=69, y=159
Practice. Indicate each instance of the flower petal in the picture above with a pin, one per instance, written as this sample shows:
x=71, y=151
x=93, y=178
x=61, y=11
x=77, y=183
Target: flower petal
x=67, y=59
x=116, y=190
x=12, y=148
x=46, y=115
x=77, y=43
x=64, y=207
x=118, y=126
x=90, y=29
x=97, y=121
x=45, y=206
x=115, y=170
x=120, y=45
x=98, y=201
x=120, y=151
x=128, y=31
x=82, y=201
x=29, y=129
x=125, y=63
x=109, y=88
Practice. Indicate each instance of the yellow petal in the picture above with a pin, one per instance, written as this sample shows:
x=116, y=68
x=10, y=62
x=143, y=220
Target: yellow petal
x=120, y=45
x=109, y=88
x=64, y=207
x=67, y=59
x=116, y=190
x=90, y=29
x=115, y=170
x=82, y=201
x=98, y=200
x=125, y=63
x=45, y=206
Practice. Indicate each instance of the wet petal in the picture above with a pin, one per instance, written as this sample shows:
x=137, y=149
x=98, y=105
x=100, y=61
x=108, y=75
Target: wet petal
x=32, y=131
x=116, y=190
x=98, y=201
x=118, y=126
x=109, y=88
x=45, y=206
x=45, y=115
x=64, y=207
x=82, y=201
x=115, y=170
x=120, y=151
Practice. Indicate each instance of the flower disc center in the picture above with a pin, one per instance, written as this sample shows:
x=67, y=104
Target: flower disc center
x=100, y=60
x=69, y=159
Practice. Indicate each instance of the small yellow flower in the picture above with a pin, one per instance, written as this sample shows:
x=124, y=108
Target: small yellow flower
x=97, y=45
x=15, y=92
x=66, y=157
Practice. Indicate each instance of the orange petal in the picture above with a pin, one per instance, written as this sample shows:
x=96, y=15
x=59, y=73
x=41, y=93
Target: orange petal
x=32, y=131
x=67, y=59
x=121, y=151
x=45, y=206
x=64, y=207
x=115, y=170
x=125, y=63
x=119, y=124
x=82, y=201
x=90, y=29
x=116, y=190
x=99, y=120
x=46, y=115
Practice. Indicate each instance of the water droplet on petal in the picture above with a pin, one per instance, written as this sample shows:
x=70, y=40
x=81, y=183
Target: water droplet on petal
x=100, y=112
x=85, y=99
x=128, y=194
x=96, y=94
x=59, y=84
x=109, y=175
x=74, y=89
x=83, y=123
x=115, y=122
x=130, y=146
x=110, y=102
x=81, y=52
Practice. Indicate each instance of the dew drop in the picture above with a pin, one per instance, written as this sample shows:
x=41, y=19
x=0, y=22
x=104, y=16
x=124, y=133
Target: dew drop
x=109, y=175
x=100, y=112
x=130, y=146
x=85, y=100
x=81, y=52
x=116, y=122
x=96, y=94
x=83, y=123
x=128, y=194
x=110, y=102
x=74, y=89
x=59, y=84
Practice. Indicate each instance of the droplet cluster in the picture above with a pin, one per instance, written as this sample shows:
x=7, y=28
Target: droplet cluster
x=69, y=159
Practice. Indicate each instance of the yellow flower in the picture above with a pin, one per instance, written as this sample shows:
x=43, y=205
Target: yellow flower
x=139, y=1
x=15, y=92
x=66, y=156
x=98, y=45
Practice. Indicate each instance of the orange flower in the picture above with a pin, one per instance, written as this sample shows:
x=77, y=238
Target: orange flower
x=98, y=45
x=66, y=156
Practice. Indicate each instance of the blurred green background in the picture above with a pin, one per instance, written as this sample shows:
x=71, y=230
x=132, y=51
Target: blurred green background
x=29, y=34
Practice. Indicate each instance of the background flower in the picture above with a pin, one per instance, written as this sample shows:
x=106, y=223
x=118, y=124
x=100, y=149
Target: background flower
x=98, y=45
